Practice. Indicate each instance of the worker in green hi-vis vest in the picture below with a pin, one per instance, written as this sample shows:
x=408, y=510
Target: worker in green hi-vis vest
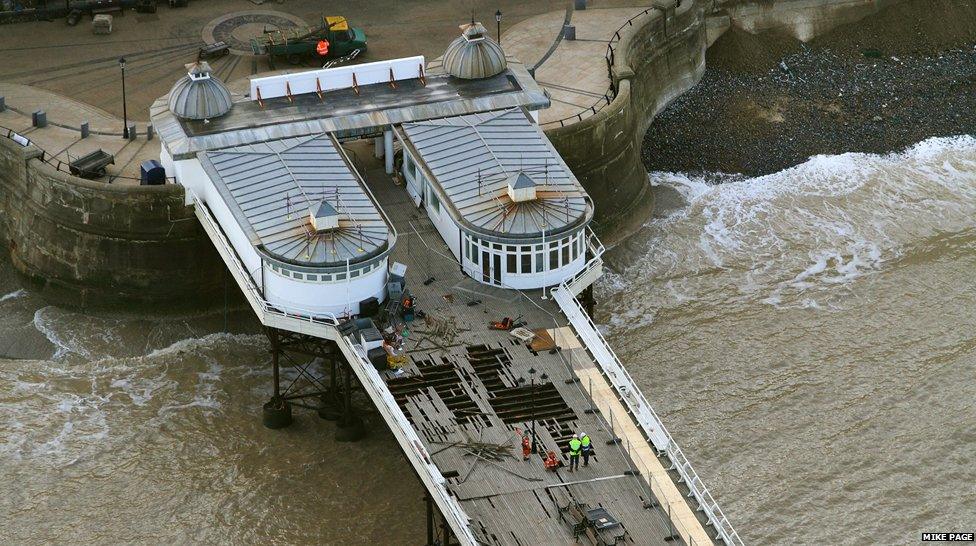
x=574, y=452
x=587, y=448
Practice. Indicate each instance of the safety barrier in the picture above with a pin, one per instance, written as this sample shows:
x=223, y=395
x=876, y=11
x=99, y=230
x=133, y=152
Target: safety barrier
x=633, y=399
x=324, y=326
x=57, y=163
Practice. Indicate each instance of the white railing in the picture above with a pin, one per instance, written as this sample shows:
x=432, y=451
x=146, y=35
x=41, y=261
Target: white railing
x=641, y=410
x=325, y=326
x=434, y=481
x=593, y=268
x=237, y=268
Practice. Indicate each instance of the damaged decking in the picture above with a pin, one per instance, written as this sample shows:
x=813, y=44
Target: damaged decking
x=466, y=388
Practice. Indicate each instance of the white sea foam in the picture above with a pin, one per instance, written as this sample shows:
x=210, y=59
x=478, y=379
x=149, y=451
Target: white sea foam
x=830, y=221
x=13, y=295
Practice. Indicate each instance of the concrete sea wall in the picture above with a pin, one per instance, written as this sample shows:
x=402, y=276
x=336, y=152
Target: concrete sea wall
x=91, y=244
x=656, y=59
x=660, y=56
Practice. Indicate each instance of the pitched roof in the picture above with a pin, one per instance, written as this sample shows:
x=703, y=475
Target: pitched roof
x=271, y=185
x=472, y=159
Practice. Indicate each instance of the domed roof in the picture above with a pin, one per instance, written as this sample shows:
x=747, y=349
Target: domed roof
x=474, y=55
x=199, y=95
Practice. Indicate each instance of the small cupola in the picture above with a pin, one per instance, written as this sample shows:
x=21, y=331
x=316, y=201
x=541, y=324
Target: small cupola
x=521, y=187
x=324, y=217
x=199, y=95
x=474, y=55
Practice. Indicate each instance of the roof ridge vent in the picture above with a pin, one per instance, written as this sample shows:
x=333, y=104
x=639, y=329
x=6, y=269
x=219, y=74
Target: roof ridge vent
x=323, y=215
x=521, y=187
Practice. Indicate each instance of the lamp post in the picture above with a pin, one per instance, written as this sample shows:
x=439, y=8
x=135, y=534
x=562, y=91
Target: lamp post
x=542, y=379
x=498, y=25
x=125, y=115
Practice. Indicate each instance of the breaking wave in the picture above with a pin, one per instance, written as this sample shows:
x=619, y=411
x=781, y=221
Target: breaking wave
x=785, y=238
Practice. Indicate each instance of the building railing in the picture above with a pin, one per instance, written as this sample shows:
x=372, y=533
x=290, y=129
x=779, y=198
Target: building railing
x=596, y=249
x=429, y=474
x=641, y=410
x=611, y=93
x=57, y=163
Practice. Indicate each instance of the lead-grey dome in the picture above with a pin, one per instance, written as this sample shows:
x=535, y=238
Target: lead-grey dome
x=199, y=95
x=474, y=55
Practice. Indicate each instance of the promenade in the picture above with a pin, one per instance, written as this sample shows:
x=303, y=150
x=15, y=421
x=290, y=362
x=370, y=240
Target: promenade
x=574, y=72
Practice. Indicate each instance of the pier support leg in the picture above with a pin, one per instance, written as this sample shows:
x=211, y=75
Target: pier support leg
x=388, y=150
x=310, y=359
x=351, y=426
x=430, y=519
x=330, y=409
x=277, y=411
x=586, y=298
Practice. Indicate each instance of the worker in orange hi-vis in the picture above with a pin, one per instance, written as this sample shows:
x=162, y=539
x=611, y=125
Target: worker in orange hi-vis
x=526, y=447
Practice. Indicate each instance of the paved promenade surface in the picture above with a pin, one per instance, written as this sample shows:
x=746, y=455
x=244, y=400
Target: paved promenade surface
x=61, y=139
x=73, y=62
x=575, y=73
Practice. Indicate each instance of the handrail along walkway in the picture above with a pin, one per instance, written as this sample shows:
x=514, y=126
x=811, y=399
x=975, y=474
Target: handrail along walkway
x=325, y=326
x=640, y=409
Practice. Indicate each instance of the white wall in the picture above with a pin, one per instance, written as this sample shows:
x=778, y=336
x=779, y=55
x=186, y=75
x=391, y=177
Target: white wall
x=532, y=280
x=191, y=175
x=338, y=298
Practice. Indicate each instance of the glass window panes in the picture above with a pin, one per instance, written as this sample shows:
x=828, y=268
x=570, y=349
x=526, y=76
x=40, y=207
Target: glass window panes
x=565, y=254
x=554, y=259
x=512, y=263
x=539, y=262
x=526, y=262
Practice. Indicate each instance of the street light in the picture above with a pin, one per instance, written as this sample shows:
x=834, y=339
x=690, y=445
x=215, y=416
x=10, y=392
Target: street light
x=125, y=116
x=498, y=25
x=542, y=379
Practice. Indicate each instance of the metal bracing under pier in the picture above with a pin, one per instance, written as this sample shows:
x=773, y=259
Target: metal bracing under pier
x=323, y=382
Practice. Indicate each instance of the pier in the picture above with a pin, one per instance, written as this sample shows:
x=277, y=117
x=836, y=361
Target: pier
x=381, y=221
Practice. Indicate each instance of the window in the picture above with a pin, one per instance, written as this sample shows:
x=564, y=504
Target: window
x=566, y=255
x=526, y=262
x=539, y=262
x=512, y=263
x=340, y=276
x=435, y=204
x=355, y=273
x=298, y=275
x=553, y=259
x=313, y=277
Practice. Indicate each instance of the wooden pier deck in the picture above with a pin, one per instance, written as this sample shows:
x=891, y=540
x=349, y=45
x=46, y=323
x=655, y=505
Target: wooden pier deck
x=466, y=389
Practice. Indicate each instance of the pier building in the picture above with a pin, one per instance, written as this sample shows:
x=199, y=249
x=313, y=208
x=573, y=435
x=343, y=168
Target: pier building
x=462, y=191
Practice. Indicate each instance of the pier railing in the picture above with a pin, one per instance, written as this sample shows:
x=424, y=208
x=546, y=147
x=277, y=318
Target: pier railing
x=264, y=309
x=324, y=326
x=429, y=474
x=641, y=410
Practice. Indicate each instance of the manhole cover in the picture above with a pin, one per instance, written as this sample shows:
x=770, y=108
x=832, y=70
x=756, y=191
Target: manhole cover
x=236, y=29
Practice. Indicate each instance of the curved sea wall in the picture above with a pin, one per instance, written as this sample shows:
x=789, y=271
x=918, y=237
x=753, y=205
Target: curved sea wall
x=660, y=56
x=90, y=244
x=657, y=58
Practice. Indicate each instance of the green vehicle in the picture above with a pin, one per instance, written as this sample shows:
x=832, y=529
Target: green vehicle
x=332, y=40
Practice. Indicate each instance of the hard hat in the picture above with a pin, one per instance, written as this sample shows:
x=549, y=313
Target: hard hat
x=575, y=435
x=582, y=434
